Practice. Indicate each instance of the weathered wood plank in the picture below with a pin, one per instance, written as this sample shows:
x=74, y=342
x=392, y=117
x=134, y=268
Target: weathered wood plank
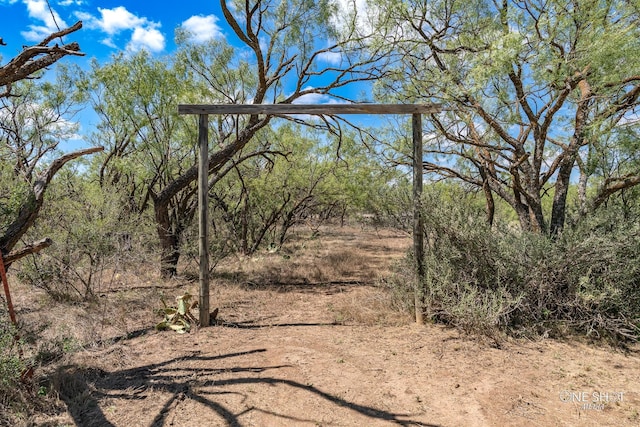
x=203, y=206
x=320, y=109
x=418, y=237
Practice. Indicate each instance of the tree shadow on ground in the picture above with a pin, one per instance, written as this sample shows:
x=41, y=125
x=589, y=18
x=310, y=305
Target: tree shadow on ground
x=251, y=324
x=190, y=377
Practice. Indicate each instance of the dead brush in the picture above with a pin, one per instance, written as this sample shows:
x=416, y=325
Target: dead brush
x=370, y=306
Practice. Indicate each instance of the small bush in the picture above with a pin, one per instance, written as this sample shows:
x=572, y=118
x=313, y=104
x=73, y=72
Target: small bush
x=11, y=368
x=94, y=236
x=497, y=280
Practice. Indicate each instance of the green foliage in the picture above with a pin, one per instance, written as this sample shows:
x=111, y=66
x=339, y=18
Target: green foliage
x=297, y=179
x=531, y=89
x=273, y=55
x=32, y=126
x=11, y=364
x=492, y=281
x=14, y=192
x=93, y=239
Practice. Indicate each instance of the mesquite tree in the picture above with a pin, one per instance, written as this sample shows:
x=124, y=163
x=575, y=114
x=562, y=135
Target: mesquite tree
x=34, y=118
x=274, y=55
x=539, y=93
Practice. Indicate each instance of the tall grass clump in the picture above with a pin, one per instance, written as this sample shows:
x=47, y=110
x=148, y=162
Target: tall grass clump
x=499, y=280
x=11, y=368
x=24, y=396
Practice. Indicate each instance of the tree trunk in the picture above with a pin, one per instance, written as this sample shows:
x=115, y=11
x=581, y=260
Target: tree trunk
x=169, y=241
x=170, y=237
x=488, y=196
x=558, y=211
x=582, y=190
x=170, y=256
x=537, y=217
x=30, y=208
x=522, y=210
x=244, y=224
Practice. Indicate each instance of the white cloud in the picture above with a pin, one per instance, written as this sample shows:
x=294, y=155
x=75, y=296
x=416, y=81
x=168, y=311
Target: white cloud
x=202, y=28
x=113, y=21
x=313, y=99
x=39, y=10
x=71, y=2
x=83, y=16
x=146, y=38
x=316, y=98
x=145, y=34
x=108, y=41
x=347, y=9
x=333, y=58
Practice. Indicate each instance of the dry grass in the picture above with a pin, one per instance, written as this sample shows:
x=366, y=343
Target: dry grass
x=344, y=263
x=342, y=256
x=310, y=326
x=326, y=262
x=368, y=306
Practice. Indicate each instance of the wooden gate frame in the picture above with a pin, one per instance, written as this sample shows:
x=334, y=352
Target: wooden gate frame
x=203, y=111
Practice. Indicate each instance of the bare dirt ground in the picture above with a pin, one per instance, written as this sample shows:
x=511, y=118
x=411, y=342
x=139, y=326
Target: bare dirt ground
x=305, y=338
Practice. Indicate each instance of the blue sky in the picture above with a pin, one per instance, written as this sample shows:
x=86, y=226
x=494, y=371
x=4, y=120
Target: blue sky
x=113, y=26
x=108, y=26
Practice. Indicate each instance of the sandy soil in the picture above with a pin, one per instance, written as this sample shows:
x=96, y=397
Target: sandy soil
x=308, y=352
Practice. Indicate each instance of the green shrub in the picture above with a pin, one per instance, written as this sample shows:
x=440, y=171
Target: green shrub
x=11, y=366
x=94, y=239
x=11, y=369
x=498, y=280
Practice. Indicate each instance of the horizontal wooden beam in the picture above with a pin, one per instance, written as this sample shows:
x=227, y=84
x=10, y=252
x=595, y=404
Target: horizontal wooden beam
x=314, y=109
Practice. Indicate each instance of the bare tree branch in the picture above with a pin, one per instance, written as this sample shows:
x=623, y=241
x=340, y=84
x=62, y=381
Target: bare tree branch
x=26, y=250
x=613, y=185
x=35, y=58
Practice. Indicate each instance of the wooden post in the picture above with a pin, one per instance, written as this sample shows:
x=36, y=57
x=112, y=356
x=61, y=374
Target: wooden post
x=203, y=204
x=5, y=284
x=416, y=110
x=418, y=238
x=28, y=372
